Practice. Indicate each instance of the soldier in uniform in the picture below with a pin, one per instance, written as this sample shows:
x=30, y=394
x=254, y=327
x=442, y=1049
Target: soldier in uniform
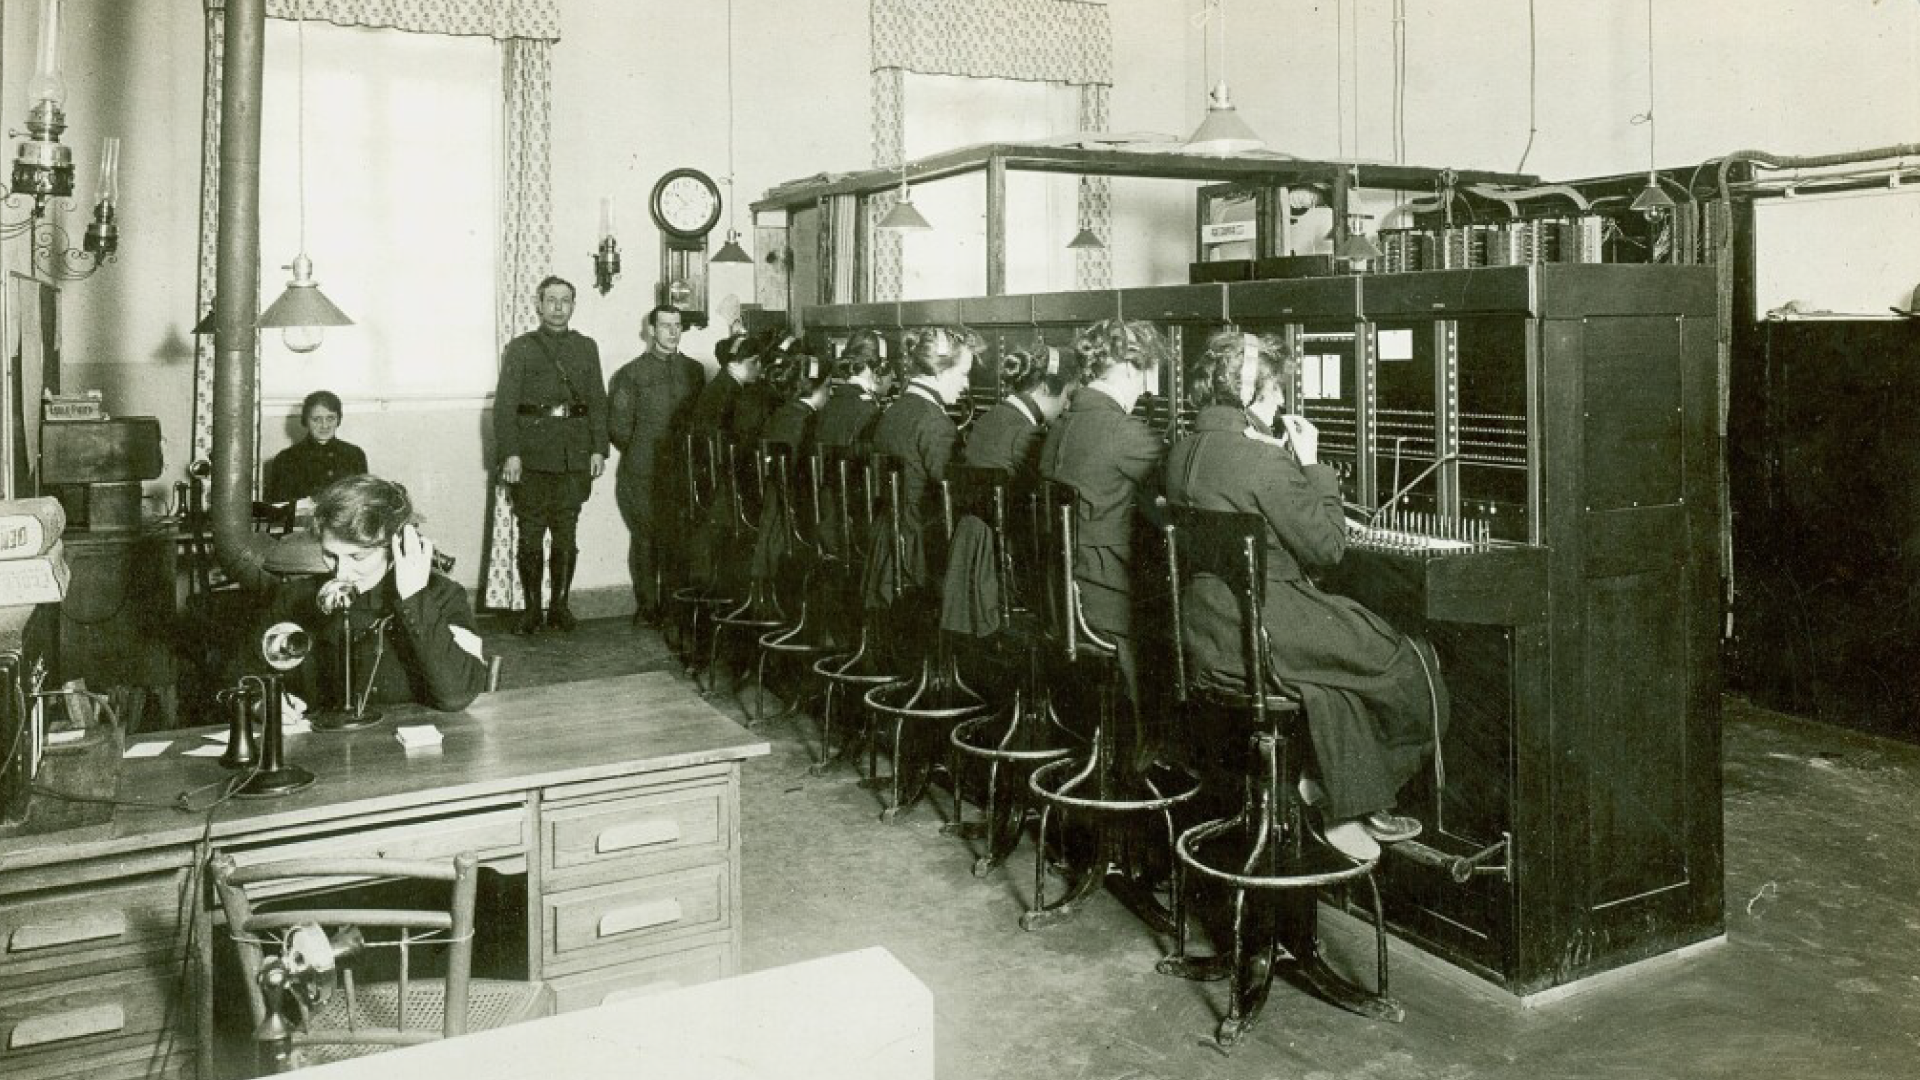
x=648, y=404
x=1374, y=700
x=550, y=428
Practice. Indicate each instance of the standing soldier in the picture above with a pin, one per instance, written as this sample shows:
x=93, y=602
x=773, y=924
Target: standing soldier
x=550, y=428
x=647, y=406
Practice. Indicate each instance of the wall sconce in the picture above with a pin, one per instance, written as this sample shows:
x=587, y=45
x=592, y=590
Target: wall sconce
x=606, y=260
x=43, y=171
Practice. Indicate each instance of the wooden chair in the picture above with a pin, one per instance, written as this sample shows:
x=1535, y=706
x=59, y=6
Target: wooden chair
x=705, y=522
x=292, y=957
x=1102, y=782
x=1025, y=732
x=1278, y=866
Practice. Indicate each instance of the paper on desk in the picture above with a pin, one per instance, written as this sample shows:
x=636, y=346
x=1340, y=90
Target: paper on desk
x=209, y=750
x=417, y=736
x=146, y=749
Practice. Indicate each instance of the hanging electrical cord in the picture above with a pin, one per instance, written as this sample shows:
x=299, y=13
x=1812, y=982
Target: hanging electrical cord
x=1355, y=112
x=1400, y=82
x=1533, y=87
x=1340, y=75
x=1646, y=118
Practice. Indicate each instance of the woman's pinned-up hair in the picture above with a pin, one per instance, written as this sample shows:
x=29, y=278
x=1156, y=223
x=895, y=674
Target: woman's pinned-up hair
x=1109, y=342
x=795, y=375
x=866, y=350
x=1026, y=369
x=934, y=349
x=1238, y=368
x=363, y=510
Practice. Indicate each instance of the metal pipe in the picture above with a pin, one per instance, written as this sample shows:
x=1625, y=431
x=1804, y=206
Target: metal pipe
x=236, y=369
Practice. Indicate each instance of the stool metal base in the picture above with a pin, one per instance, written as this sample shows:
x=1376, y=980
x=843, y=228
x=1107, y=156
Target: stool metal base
x=1285, y=867
x=938, y=699
x=1115, y=790
x=1007, y=745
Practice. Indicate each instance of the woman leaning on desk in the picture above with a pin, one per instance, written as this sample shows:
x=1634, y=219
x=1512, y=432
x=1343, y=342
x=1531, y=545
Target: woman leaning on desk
x=412, y=628
x=1373, y=697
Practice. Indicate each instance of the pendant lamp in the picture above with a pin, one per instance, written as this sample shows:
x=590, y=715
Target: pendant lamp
x=1653, y=200
x=731, y=251
x=303, y=312
x=1085, y=240
x=1221, y=131
x=903, y=216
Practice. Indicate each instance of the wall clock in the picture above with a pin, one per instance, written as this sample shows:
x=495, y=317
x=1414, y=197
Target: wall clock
x=686, y=206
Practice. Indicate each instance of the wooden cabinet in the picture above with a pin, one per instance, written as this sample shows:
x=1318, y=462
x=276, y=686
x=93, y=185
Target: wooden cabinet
x=639, y=884
x=90, y=975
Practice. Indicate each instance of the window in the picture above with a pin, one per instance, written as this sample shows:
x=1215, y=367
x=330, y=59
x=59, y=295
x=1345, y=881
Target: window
x=402, y=208
x=944, y=112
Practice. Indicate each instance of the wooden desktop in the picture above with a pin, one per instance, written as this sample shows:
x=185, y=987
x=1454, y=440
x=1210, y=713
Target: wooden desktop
x=617, y=798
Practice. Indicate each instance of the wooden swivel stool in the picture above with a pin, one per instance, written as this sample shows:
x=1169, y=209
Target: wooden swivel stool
x=760, y=504
x=705, y=523
x=1103, y=782
x=1278, y=867
x=1025, y=732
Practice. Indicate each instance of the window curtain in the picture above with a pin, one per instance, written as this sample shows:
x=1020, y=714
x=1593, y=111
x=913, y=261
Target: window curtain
x=1064, y=41
x=527, y=30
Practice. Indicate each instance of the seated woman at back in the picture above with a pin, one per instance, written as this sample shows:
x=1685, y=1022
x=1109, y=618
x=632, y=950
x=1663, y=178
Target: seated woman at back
x=917, y=431
x=846, y=421
x=1373, y=698
x=1007, y=437
x=1037, y=381
x=1112, y=459
x=411, y=626
x=801, y=381
x=303, y=469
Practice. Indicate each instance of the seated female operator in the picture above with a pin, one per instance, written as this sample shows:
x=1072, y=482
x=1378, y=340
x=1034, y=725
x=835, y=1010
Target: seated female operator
x=411, y=626
x=1373, y=697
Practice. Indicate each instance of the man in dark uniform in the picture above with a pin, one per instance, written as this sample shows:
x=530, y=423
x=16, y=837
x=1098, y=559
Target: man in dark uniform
x=647, y=409
x=550, y=427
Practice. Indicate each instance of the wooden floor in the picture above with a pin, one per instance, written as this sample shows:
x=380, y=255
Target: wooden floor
x=1819, y=975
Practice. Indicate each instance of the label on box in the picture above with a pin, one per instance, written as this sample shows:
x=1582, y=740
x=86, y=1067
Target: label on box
x=39, y=580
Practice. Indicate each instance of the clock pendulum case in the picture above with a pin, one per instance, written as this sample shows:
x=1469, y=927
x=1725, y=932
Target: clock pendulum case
x=686, y=206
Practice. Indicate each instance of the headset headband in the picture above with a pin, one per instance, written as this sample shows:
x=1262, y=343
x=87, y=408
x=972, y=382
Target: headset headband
x=1249, y=367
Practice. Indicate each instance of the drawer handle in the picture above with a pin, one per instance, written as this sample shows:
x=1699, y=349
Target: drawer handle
x=95, y=927
x=639, y=834
x=78, y=1024
x=639, y=917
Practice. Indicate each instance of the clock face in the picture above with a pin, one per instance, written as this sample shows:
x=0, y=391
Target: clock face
x=686, y=202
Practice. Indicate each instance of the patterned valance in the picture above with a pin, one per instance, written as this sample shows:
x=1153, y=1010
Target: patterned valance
x=537, y=20
x=1065, y=41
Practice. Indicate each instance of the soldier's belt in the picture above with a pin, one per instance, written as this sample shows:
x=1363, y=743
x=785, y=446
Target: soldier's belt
x=554, y=412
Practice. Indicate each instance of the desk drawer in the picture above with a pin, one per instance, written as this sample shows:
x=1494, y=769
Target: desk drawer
x=702, y=963
x=635, y=827
x=93, y=925
x=489, y=833
x=76, y=1017
x=584, y=925
x=143, y=1057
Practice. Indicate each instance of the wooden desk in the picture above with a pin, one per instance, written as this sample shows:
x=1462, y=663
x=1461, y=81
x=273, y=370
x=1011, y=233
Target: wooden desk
x=618, y=798
x=855, y=1016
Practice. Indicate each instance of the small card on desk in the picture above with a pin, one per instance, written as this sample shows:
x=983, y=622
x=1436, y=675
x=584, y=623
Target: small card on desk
x=418, y=736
